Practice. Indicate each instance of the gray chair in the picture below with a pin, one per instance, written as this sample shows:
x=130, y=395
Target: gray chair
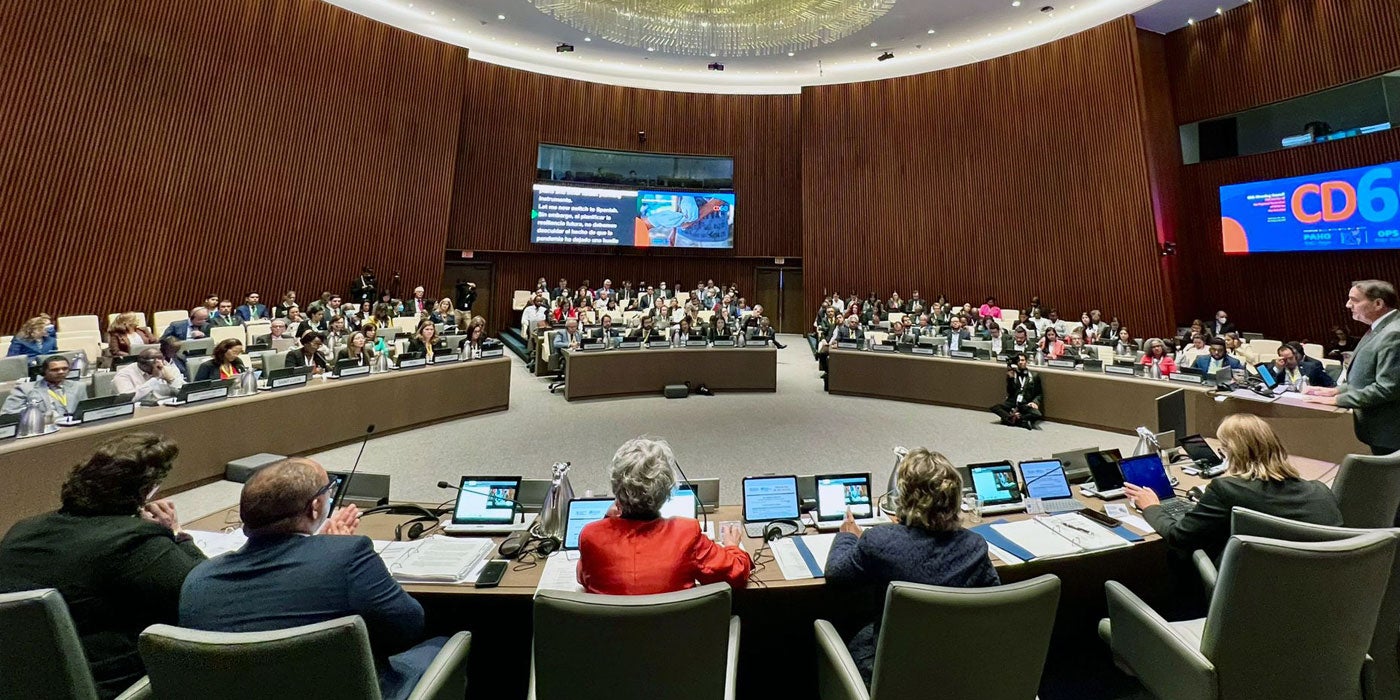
x=192, y=366
x=1384, y=639
x=325, y=660
x=41, y=657
x=102, y=384
x=14, y=368
x=1287, y=620
x=1368, y=490
x=678, y=646
x=922, y=624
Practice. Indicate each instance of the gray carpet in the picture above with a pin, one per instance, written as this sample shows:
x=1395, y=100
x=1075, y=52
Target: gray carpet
x=800, y=429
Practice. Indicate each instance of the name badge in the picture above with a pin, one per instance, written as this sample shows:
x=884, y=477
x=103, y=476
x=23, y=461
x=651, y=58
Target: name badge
x=125, y=409
x=1185, y=378
x=497, y=352
x=1119, y=369
x=288, y=381
x=409, y=364
x=442, y=359
x=923, y=350
x=207, y=394
x=962, y=354
x=354, y=371
x=1061, y=364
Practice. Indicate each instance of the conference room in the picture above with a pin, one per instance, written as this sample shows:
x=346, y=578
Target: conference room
x=856, y=349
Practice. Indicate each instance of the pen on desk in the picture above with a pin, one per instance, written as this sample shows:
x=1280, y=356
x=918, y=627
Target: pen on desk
x=1072, y=526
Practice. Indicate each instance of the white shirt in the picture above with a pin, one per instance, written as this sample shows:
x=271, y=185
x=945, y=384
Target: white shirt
x=131, y=380
x=531, y=316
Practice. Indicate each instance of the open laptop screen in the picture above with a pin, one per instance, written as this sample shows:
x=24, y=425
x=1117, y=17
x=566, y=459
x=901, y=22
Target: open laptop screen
x=681, y=504
x=486, y=500
x=836, y=493
x=1104, y=468
x=1147, y=471
x=1045, y=479
x=770, y=498
x=583, y=511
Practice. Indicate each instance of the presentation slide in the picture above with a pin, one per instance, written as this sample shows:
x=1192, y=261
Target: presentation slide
x=1356, y=209
x=576, y=215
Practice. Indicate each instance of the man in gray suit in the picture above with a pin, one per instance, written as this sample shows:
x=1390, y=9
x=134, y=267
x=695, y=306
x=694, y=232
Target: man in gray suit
x=1372, y=387
x=54, y=390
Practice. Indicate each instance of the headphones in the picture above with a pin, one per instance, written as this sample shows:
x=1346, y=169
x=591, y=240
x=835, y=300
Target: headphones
x=778, y=529
x=416, y=525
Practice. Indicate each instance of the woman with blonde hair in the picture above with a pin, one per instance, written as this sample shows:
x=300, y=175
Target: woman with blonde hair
x=1257, y=476
x=34, y=338
x=927, y=545
x=125, y=331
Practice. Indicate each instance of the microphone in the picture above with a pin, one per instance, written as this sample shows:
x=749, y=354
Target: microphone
x=369, y=430
x=705, y=518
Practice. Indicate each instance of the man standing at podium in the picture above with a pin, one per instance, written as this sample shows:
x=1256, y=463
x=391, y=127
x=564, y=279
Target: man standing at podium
x=1371, y=385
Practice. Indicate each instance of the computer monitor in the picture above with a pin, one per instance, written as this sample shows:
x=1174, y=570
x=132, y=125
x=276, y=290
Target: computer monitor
x=995, y=483
x=1147, y=471
x=486, y=500
x=681, y=504
x=1103, y=467
x=768, y=498
x=1045, y=479
x=837, y=493
x=583, y=511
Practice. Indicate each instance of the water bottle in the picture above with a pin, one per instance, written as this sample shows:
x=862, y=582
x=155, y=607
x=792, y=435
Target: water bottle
x=33, y=420
x=247, y=384
x=554, y=513
x=79, y=364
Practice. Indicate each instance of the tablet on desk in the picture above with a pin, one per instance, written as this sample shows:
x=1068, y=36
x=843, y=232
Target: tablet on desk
x=486, y=500
x=682, y=504
x=996, y=487
x=838, y=493
x=583, y=511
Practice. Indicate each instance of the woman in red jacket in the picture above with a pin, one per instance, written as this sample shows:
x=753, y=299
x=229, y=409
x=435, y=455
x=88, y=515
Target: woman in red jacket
x=1155, y=353
x=635, y=551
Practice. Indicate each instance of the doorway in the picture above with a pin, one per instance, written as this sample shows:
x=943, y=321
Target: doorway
x=779, y=290
x=479, y=273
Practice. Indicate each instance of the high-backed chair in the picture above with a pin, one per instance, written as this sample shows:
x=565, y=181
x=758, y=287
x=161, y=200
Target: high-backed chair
x=14, y=368
x=1314, y=350
x=929, y=626
x=1266, y=348
x=198, y=346
x=192, y=365
x=406, y=324
x=162, y=319
x=1384, y=639
x=687, y=643
x=66, y=324
x=103, y=384
x=140, y=317
x=1287, y=620
x=41, y=657
x=1368, y=490
x=326, y=660
x=221, y=333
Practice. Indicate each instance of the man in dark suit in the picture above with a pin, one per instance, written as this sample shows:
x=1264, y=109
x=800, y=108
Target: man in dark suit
x=957, y=335
x=193, y=328
x=302, y=566
x=1023, y=395
x=1222, y=324
x=1372, y=381
x=1217, y=359
x=251, y=310
x=1292, y=365
x=363, y=288
x=224, y=316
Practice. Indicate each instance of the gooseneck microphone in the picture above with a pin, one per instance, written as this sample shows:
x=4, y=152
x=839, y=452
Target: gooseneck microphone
x=705, y=518
x=369, y=430
x=495, y=496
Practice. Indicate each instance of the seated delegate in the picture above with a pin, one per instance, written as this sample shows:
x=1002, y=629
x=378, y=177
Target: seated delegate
x=927, y=545
x=304, y=565
x=1289, y=369
x=1259, y=477
x=116, y=555
x=309, y=354
x=1156, y=358
x=34, y=339
x=635, y=551
x=224, y=362
x=356, y=352
x=1216, y=359
x=58, y=394
x=425, y=341
x=149, y=376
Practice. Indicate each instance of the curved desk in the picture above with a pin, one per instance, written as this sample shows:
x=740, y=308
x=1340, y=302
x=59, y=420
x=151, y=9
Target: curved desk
x=1092, y=399
x=293, y=421
x=590, y=374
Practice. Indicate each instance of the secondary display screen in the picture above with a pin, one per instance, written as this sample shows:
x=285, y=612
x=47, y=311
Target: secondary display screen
x=485, y=500
x=770, y=498
x=640, y=218
x=1356, y=209
x=837, y=494
x=995, y=483
x=1045, y=479
x=583, y=511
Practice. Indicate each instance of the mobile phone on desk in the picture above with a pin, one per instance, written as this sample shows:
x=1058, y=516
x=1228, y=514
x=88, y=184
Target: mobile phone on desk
x=1102, y=518
x=492, y=573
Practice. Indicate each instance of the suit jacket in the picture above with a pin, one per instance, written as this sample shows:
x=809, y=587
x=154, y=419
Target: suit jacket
x=1203, y=362
x=417, y=345
x=210, y=370
x=280, y=581
x=846, y=333
x=118, y=575
x=621, y=556
x=1372, y=390
x=1312, y=369
x=251, y=313
x=1207, y=526
x=32, y=348
x=1220, y=329
x=360, y=360
x=181, y=329
x=71, y=391
x=963, y=335
x=218, y=320
x=297, y=358
x=1030, y=393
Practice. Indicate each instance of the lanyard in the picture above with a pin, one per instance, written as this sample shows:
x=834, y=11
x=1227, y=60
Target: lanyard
x=59, y=398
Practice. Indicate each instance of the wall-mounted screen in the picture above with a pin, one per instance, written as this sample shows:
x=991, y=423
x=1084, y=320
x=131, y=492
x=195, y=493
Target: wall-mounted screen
x=1356, y=209
x=642, y=218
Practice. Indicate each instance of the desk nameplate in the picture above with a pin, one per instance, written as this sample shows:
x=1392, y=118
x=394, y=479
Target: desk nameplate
x=124, y=409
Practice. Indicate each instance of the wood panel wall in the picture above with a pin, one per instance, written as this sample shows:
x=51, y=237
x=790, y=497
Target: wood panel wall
x=1018, y=176
x=1271, y=50
x=153, y=151
x=508, y=112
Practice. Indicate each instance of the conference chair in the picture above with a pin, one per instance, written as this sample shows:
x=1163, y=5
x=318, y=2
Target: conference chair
x=405, y=324
x=140, y=317
x=40, y=655
x=1367, y=488
x=326, y=660
x=192, y=365
x=13, y=368
x=163, y=319
x=687, y=642
x=1386, y=636
x=1287, y=620
x=192, y=348
x=1314, y=350
x=218, y=334
x=66, y=324
x=102, y=384
x=1267, y=349
x=924, y=643
x=87, y=342
x=257, y=328
x=556, y=367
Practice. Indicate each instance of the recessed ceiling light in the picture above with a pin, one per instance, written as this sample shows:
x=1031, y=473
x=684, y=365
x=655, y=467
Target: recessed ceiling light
x=651, y=48
x=873, y=44
x=500, y=16
x=432, y=13
x=1190, y=20
x=712, y=55
x=1015, y=3
x=1219, y=11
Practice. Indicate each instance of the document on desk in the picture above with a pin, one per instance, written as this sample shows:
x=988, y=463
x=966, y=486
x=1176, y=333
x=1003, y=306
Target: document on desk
x=436, y=559
x=1128, y=517
x=1084, y=533
x=215, y=543
x=1035, y=539
x=802, y=557
x=560, y=574
x=1247, y=395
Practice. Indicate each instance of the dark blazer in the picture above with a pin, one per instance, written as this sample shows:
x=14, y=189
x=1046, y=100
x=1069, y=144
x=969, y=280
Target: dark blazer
x=1226, y=327
x=343, y=358
x=230, y=320
x=1312, y=369
x=249, y=313
x=280, y=581
x=118, y=574
x=1030, y=394
x=1203, y=362
x=297, y=358
x=889, y=553
x=210, y=370
x=417, y=345
x=181, y=329
x=1207, y=526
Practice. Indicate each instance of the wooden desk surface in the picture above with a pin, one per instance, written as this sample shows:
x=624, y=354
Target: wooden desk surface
x=598, y=373
x=296, y=421
x=1094, y=399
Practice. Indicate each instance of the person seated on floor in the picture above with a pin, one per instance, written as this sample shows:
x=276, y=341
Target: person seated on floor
x=926, y=545
x=1024, y=397
x=307, y=566
x=635, y=551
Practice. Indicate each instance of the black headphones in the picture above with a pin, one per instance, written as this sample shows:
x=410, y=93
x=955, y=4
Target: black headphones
x=416, y=526
x=778, y=529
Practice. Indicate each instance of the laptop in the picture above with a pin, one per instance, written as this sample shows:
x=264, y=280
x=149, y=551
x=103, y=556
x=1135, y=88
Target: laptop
x=768, y=498
x=103, y=407
x=837, y=493
x=1107, y=478
x=1267, y=378
x=1075, y=464
x=684, y=503
x=346, y=367
x=486, y=505
x=1147, y=471
x=583, y=511
x=1047, y=488
x=1207, y=460
x=995, y=485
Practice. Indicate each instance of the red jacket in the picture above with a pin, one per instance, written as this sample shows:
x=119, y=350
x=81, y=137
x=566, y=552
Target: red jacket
x=1168, y=365
x=620, y=556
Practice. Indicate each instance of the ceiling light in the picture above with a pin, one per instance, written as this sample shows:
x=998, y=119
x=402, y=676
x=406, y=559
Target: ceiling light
x=791, y=54
x=651, y=48
x=1015, y=3
x=1219, y=11
x=1190, y=21
x=713, y=55
x=588, y=38
x=931, y=31
x=500, y=16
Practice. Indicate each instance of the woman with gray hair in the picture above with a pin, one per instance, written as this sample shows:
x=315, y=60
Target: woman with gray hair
x=635, y=551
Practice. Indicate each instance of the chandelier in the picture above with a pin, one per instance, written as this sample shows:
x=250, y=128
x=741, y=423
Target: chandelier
x=718, y=27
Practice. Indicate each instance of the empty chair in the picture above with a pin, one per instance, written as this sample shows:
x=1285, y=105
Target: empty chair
x=1287, y=620
x=220, y=333
x=325, y=660
x=1386, y=636
x=14, y=368
x=163, y=319
x=1314, y=350
x=1368, y=490
x=41, y=657
x=198, y=346
x=102, y=384
x=930, y=626
x=1267, y=349
x=193, y=364
x=67, y=324
x=687, y=642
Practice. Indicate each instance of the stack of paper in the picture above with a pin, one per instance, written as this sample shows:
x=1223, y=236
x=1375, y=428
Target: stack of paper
x=560, y=574
x=436, y=559
x=215, y=543
x=802, y=557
